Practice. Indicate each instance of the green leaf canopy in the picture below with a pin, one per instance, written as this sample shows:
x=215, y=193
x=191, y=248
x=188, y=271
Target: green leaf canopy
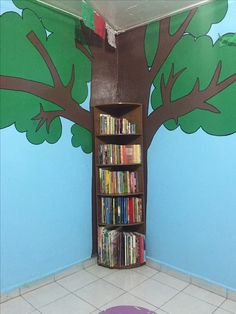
x=21, y=59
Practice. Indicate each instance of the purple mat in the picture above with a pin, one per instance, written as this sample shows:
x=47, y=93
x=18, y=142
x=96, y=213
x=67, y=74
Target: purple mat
x=127, y=310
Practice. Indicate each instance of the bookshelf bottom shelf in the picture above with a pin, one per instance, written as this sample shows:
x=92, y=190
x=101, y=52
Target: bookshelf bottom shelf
x=122, y=266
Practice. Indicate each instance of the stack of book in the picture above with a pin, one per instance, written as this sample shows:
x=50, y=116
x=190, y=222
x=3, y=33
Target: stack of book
x=119, y=154
x=108, y=247
x=117, y=249
x=134, y=248
x=118, y=182
x=110, y=125
x=121, y=210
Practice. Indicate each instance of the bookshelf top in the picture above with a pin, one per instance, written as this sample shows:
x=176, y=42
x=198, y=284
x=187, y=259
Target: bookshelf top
x=119, y=105
x=128, y=104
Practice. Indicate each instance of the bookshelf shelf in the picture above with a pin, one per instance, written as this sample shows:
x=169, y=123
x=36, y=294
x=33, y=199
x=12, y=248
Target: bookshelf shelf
x=119, y=135
x=120, y=200
x=118, y=165
x=119, y=194
x=120, y=225
x=122, y=266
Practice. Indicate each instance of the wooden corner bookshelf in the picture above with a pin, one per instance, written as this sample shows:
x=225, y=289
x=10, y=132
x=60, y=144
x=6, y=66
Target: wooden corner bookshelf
x=120, y=199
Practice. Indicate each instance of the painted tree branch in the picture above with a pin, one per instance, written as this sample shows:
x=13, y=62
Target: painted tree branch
x=196, y=99
x=167, y=42
x=47, y=59
x=57, y=94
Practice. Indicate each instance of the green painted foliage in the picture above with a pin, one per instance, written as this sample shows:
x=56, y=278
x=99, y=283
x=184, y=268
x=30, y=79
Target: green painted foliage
x=21, y=59
x=205, y=17
x=228, y=40
x=200, y=58
x=151, y=41
x=81, y=137
x=208, y=55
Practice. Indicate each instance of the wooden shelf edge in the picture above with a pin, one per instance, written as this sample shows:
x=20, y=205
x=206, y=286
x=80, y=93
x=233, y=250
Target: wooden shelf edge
x=120, y=225
x=119, y=195
x=119, y=135
x=122, y=267
x=115, y=104
x=118, y=165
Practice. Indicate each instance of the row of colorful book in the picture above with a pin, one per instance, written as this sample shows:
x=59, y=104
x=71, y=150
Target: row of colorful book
x=121, y=210
x=110, y=125
x=118, y=182
x=119, y=154
x=117, y=248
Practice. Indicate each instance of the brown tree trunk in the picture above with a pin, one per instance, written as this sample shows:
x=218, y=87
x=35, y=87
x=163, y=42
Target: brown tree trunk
x=121, y=75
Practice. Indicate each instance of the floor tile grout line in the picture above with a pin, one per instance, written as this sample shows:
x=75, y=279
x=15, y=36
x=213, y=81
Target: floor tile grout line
x=217, y=307
x=115, y=285
x=131, y=288
x=124, y=292
x=152, y=303
x=39, y=308
x=36, y=288
x=200, y=299
x=79, y=268
x=209, y=290
x=73, y=293
x=96, y=308
x=180, y=291
x=92, y=283
x=130, y=291
x=168, y=285
x=145, y=275
x=144, y=301
x=163, y=310
x=35, y=308
x=221, y=308
x=99, y=308
x=127, y=291
x=80, y=287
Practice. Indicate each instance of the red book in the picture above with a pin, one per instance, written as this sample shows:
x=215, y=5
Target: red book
x=131, y=205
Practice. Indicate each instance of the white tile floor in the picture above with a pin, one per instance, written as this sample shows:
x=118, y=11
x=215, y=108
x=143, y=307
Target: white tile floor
x=96, y=288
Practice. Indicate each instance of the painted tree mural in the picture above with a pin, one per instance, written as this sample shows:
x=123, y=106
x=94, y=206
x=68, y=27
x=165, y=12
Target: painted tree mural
x=193, y=80
x=40, y=59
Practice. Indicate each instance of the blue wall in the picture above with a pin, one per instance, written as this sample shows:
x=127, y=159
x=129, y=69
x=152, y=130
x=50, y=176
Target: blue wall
x=46, y=222
x=45, y=207
x=191, y=213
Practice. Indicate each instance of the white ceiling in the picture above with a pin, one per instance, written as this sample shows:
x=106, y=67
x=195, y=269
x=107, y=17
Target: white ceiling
x=122, y=15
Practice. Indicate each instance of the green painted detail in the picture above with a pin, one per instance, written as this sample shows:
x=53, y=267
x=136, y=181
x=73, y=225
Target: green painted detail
x=227, y=40
x=195, y=51
x=206, y=15
x=200, y=61
x=81, y=137
x=150, y=45
x=19, y=109
x=21, y=59
x=87, y=14
x=201, y=23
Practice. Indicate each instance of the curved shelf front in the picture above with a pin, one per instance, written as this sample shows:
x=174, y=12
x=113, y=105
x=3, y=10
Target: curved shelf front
x=120, y=225
x=122, y=266
x=118, y=165
x=119, y=194
x=118, y=135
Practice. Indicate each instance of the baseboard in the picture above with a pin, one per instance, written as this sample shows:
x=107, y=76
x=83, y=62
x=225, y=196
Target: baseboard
x=202, y=283
x=5, y=296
